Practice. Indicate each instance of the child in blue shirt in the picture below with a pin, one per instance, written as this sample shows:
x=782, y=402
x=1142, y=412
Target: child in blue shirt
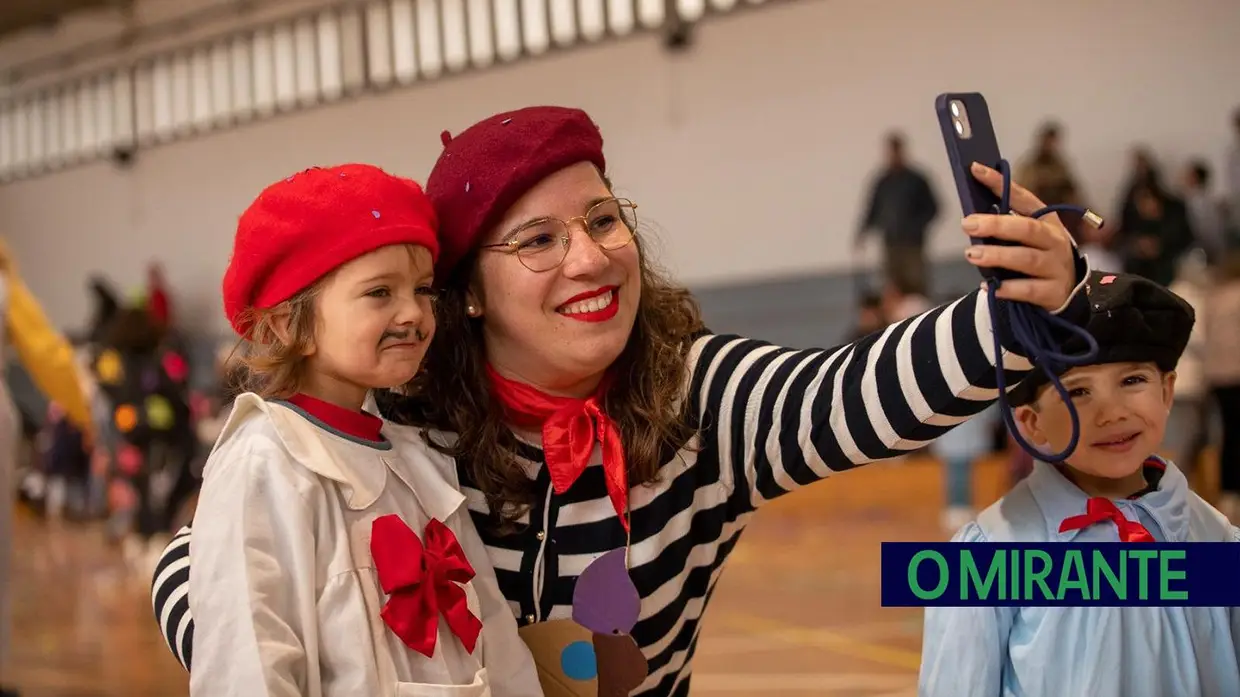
x=1112, y=488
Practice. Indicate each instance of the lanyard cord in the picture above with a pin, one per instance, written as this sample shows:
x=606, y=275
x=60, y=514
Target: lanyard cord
x=1031, y=332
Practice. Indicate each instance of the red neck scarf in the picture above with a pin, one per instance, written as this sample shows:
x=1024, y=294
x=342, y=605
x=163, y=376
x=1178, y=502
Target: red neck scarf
x=570, y=427
x=1101, y=510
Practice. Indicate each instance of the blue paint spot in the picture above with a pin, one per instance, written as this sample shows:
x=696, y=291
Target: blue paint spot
x=578, y=661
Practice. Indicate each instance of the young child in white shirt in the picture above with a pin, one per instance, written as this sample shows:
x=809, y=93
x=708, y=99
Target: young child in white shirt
x=333, y=553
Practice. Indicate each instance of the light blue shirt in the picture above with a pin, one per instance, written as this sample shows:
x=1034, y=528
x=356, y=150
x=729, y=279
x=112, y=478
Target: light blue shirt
x=1079, y=651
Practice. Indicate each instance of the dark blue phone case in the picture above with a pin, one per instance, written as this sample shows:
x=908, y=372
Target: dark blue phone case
x=981, y=146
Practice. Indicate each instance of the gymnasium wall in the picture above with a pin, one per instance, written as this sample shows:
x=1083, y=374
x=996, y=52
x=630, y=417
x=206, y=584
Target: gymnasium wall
x=750, y=153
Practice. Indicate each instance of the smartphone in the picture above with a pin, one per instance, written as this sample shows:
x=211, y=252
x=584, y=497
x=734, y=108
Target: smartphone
x=970, y=137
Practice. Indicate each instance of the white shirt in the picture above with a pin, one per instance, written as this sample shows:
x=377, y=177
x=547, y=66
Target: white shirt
x=284, y=589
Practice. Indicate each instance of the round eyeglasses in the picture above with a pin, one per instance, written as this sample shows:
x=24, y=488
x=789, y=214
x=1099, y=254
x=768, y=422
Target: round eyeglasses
x=543, y=244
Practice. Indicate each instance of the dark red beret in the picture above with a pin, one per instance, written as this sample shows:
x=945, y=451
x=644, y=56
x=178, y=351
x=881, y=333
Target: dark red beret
x=488, y=166
x=303, y=227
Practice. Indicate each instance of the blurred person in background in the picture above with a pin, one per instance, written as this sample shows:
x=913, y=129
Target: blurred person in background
x=1046, y=172
x=10, y=437
x=1098, y=244
x=48, y=358
x=1232, y=194
x=1143, y=173
x=869, y=316
x=145, y=381
x=959, y=450
x=1206, y=212
x=901, y=207
x=1188, y=425
x=159, y=303
x=106, y=306
x=1157, y=235
x=66, y=466
x=1222, y=371
x=900, y=301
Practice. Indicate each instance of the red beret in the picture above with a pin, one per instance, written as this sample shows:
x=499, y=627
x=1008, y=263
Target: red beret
x=488, y=166
x=303, y=227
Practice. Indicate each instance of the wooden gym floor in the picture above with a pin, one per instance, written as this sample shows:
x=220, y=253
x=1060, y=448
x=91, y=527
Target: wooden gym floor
x=797, y=611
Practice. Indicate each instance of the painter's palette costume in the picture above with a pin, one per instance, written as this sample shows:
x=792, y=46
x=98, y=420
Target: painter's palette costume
x=592, y=654
x=147, y=391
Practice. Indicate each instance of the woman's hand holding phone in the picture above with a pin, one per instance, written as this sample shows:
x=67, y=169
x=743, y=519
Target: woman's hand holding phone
x=1045, y=254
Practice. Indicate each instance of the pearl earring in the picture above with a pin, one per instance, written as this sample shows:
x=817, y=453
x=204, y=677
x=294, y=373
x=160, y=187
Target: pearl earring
x=471, y=310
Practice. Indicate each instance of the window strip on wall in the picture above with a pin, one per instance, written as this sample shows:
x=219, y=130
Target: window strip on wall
x=481, y=35
x=509, y=34
x=621, y=17
x=651, y=12
x=430, y=39
x=262, y=72
x=52, y=152
x=592, y=19
x=285, y=55
x=352, y=49
x=330, y=63
x=221, y=70
x=125, y=109
x=454, y=29
x=241, y=62
x=70, y=138
x=36, y=120
x=182, y=93
x=6, y=140
x=563, y=20
x=105, y=112
x=404, y=41
x=201, y=89
x=535, y=33
x=306, y=53
x=379, y=44
x=21, y=138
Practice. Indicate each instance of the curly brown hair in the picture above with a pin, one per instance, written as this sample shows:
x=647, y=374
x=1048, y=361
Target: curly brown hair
x=452, y=392
x=266, y=364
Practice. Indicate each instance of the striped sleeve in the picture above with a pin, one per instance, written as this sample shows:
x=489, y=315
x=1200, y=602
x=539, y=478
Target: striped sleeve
x=170, y=597
x=783, y=418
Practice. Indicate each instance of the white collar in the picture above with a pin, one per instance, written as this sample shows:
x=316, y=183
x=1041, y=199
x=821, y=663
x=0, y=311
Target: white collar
x=429, y=474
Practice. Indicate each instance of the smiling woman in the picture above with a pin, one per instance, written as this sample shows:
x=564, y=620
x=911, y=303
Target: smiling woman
x=593, y=419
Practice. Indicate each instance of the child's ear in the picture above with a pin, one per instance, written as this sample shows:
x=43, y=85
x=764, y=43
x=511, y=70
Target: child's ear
x=281, y=326
x=1028, y=420
x=1168, y=387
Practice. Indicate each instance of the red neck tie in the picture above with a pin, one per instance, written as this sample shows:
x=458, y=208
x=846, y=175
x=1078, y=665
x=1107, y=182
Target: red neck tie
x=570, y=427
x=1101, y=510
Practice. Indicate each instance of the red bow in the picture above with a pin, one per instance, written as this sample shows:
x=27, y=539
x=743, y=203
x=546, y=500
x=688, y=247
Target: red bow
x=1100, y=510
x=422, y=583
x=570, y=428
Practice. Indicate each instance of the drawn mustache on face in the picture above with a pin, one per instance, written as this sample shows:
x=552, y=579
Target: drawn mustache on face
x=403, y=336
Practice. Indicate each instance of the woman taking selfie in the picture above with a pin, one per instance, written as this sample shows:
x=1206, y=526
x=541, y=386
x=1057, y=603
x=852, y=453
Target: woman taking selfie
x=594, y=412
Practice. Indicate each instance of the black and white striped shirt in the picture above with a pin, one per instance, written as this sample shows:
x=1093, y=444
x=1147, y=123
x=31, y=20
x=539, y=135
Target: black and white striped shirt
x=770, y=420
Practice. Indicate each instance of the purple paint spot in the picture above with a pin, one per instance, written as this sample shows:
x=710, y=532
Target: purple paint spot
x=605, y=600
x=375, y=214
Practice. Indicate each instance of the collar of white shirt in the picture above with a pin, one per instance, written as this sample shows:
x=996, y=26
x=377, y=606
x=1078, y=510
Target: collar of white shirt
x=362, y=470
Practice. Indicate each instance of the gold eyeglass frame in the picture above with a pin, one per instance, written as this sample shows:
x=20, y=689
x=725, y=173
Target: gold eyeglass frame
x=509, y=245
